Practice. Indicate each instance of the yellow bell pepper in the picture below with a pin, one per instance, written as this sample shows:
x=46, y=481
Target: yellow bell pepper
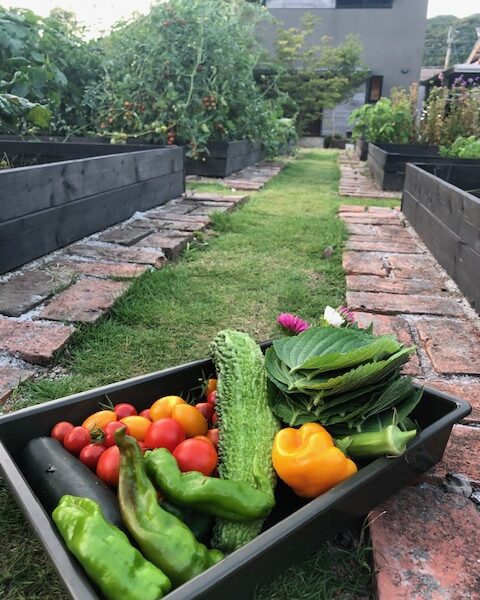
x=308, y=461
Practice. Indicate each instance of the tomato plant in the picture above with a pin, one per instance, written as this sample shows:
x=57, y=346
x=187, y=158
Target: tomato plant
x=90, y=455
x=60, y=430
x=124, y=410
x=196, y=455
x=164, y=433
x=108, y=466
x=76, y=439
x=191, y=420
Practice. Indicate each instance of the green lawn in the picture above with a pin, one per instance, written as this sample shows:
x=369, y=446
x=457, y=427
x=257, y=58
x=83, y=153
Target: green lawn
x=265, y=258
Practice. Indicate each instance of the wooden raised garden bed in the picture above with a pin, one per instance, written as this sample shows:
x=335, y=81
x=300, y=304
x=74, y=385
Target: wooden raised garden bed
x=224, y=158
x=442, y=204
x=387, y=162
x=87, y=188
x=361, y=149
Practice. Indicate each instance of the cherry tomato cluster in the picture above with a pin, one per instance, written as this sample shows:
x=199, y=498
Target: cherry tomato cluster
x=187, y=431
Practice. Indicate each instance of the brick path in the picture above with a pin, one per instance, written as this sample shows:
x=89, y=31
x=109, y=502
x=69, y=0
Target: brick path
x=425, y=539
x=41, y=302
x=251, y=178
x=357, y=181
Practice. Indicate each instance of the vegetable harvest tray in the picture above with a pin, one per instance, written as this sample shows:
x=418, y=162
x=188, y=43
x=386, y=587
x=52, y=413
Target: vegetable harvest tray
x=295, y=527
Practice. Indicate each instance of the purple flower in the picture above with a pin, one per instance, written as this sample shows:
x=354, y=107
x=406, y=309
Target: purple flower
x=347, y=314
x=292, y=322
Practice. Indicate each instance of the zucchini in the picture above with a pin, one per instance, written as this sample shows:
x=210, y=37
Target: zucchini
x=52, y=472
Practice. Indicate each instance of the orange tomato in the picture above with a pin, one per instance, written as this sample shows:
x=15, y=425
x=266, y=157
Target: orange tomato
x=211, y=386
x=137, y=426
x=162, y=408
x=191, y=419
x=99, y=419
x=205, y=438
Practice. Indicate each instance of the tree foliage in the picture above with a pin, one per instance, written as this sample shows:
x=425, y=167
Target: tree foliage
x=436, y=38
x=316, y=75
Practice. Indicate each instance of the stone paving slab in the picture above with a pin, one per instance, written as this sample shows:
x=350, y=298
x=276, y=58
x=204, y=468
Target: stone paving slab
x=380, y=302
x=384, y=215
x=33, y=341
x=386, y=325
x=186, y=218
x=10, y=378
x=453, y=345
x=205, y=210
x=178, y=225
x=23, y=292
x=85, y=301
x=125, y=236
x=465, y=388
x=461, y=456
x=241, y=184
x=425, y=546
x=383, y=246
x=110, y=252
x=393, y=285
x=104, y=270
x=171, y=245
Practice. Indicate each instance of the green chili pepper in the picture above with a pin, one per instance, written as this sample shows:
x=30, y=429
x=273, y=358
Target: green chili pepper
x=105, y=553
x=162, y=538
x=232, y=500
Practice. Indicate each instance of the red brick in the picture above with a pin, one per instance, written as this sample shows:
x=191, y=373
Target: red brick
x=126, y=236
x=116, y=253
x=188, y=218
x=369, y=219
x=392, y=285
x=461, y=455
x=10, y=378
x=33, y=341
x=414, y=266
x=366, y=263
x=360, y=229
x=193, y=195
x=387, y=215
x=425, y=546
x=351, y=208
x=398, y=326
x=463, y=388
x=403, y=303
x=243, y=184
x=177, y=225
x=380, y=209
x=205, y=210
x=86, y=301
x=406, y=247
x=104, y=270
x=452, y=345
x=24, y=291
x=172, y=245
x=392, y=232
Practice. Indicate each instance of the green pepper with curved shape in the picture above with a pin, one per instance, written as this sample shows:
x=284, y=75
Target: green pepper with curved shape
x=106, y=554
x=163, y=538
x=233, y=500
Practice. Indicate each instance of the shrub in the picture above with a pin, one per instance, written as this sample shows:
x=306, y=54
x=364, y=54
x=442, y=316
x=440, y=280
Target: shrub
x=390, y=120
x=188, y=77
x=463, y=147
x=451, y=113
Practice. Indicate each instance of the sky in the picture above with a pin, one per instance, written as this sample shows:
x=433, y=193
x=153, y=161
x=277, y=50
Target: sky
x=99, y=15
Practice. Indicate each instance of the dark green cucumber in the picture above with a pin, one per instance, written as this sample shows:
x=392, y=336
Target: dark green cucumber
x=52, y=472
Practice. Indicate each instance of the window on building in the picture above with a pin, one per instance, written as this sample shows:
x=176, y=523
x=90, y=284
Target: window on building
x=364, y=3
x=374, y=89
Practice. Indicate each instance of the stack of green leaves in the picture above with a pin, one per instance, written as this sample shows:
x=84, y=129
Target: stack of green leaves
x=346, y=379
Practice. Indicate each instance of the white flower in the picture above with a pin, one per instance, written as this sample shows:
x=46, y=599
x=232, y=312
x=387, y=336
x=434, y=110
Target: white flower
x=332, y=317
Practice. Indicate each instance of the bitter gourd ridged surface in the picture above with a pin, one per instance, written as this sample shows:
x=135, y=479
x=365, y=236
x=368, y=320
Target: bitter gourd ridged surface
x=247, y=427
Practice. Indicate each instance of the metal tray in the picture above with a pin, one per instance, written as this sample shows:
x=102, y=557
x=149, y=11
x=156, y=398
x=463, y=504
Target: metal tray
x=295, y=527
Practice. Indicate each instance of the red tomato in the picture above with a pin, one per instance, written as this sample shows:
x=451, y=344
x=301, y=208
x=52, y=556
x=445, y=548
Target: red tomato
x=212, y=398
x=164, y=433
x=109, y=431
x=76, y=439
x=143, y=446
x=196, y=455
x=206, y=409
x=214, y=419
x=146, y=413
x=108, y=466
x=212, y=435
x=60, y=430
x=124, y=410
x=90, y=454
